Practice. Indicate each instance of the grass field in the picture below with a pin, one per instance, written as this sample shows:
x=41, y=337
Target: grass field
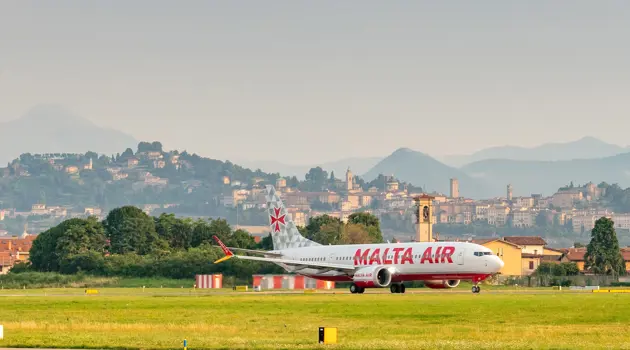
x=161, y=319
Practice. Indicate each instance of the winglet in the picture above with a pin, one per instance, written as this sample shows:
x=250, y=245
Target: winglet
x=228, y=253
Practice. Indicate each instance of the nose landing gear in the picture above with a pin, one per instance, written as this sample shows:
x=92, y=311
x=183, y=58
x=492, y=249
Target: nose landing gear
x=476, y=288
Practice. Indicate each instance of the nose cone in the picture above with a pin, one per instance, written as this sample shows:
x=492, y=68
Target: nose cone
x=498, y=263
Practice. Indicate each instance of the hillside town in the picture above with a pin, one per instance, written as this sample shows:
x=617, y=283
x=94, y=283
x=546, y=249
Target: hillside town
x=572, y=207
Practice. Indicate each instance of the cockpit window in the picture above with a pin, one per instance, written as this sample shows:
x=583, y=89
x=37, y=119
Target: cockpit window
x=482, y=253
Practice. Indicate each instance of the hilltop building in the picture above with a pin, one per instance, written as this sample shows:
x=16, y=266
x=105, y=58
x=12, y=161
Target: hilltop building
x=454, y=188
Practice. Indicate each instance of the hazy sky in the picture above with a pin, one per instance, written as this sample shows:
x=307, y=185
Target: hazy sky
x=309, y=81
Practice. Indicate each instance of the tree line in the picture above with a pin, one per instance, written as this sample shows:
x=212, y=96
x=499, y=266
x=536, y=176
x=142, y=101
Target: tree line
x=130, y=243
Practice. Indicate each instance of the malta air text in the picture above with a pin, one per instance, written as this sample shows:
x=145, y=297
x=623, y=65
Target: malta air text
x=400, y=255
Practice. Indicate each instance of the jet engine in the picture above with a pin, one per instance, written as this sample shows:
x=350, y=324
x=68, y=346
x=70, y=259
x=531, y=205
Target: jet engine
x=373, y=276
x=441, y=284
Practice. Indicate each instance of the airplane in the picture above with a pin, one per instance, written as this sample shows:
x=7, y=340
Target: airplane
x=439, y=265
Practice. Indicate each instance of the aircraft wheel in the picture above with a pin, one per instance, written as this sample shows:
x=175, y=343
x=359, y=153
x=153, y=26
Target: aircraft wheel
x=476, y=289
x=394, y=288
x=402, y=288
x=354, y=288
x=361, y=290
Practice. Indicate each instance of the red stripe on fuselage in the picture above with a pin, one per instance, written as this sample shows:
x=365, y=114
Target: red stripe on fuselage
x=411, y=277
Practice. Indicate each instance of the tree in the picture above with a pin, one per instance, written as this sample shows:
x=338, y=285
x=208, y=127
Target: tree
x=293, y=182
x=266, y=243
x=316, y=179
x=182, y=234
x=380, y=182
x=71, y=237
x=357, y=180
x=242, y=239
x=91, y=155
x=201, y=233
x=370, y=222
x=164, y=226
x=356, y=234
x=149, y=147
x=221, y=229
x=602, y=253
x=177, y=232
x=129, y=229
x=571, y=268
x=317, y=222
x=128, y=153
x=329, y=233
x=81, y=236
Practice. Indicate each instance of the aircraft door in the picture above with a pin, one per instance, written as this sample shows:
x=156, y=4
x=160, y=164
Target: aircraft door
x=459, y=257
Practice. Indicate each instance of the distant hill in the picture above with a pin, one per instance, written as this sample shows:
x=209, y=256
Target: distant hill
x=422, y=170
x=584, y=148
x=546, y=177
x=357, y=166
x=53, y=129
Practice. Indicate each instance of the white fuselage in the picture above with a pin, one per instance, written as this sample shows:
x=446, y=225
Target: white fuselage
x=410, y=261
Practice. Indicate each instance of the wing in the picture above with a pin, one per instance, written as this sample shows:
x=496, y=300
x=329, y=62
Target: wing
x=278, y=259
x=252, y=251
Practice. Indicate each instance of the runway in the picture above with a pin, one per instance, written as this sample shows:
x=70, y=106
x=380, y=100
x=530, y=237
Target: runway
x=281, y=292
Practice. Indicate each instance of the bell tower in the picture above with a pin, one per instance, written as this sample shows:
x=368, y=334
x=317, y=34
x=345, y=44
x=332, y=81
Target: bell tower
x=349, y=180
x=424, y=218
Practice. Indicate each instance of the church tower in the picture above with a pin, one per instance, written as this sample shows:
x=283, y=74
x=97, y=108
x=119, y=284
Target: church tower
x=349, y=180
x=424, y=218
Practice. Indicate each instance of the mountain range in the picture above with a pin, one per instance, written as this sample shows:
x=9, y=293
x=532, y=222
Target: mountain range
x=422, y=170
x=50, y=128
x=584, y=148
x=483, y=174
x=489, y=178
x=487, y=173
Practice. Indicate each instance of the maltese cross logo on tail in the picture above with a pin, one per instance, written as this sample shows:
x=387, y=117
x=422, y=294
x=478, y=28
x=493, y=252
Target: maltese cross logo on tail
x=277, y=220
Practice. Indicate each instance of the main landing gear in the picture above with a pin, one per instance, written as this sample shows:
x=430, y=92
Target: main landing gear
x=397, y=288
x=476, y=289
x=354, y=289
